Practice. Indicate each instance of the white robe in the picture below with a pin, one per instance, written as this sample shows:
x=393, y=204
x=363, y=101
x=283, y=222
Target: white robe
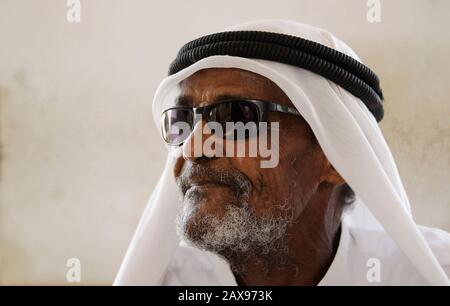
x=351, y=265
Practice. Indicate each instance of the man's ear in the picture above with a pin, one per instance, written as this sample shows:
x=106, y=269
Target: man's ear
x=330, y=175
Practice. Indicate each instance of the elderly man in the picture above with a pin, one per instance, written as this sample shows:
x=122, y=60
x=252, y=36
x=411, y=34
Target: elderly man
x=269, y=223
x=298, y=222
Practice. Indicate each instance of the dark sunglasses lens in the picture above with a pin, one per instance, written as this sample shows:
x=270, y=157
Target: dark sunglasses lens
x=176, y=125
x=239, y=113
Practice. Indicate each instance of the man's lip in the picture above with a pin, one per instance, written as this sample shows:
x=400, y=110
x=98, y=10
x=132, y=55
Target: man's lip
x=207, y=184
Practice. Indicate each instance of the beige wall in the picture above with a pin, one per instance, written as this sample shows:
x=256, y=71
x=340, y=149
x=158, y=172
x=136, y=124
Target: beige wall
x=80, y=154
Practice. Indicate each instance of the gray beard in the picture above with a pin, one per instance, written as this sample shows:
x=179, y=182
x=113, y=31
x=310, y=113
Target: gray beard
x=237, y=236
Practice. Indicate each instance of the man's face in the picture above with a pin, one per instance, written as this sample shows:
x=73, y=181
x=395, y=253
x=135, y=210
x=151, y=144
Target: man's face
x=230, y=204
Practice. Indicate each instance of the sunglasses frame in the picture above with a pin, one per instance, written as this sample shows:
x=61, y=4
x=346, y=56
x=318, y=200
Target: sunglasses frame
x=262, y=107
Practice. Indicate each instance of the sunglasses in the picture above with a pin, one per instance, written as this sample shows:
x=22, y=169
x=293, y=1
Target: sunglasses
x=178, y=122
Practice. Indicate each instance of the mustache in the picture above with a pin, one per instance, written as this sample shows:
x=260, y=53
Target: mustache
x=234, y=178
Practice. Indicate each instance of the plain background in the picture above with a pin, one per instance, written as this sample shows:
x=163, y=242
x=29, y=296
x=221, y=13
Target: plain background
x=80, y=153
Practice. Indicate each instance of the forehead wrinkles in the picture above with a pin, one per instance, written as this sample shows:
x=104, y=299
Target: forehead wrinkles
x=224, y=76
x=206, y=85
x=224, y=82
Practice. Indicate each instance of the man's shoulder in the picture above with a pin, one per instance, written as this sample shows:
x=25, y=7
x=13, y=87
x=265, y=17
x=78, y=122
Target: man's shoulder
x=372, y=240
x=439, y=241
x=366, y=246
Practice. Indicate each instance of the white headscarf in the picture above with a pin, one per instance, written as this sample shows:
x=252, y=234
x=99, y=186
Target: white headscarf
x=347, y=133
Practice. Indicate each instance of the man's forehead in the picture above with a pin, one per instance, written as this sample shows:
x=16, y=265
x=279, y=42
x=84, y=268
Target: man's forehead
x=227, y=83
x=229, y=74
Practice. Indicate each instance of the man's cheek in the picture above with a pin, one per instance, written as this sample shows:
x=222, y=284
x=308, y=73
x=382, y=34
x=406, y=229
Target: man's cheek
x=275, y=194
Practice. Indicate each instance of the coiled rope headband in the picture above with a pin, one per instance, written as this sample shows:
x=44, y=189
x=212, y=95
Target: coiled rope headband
x=331, y=64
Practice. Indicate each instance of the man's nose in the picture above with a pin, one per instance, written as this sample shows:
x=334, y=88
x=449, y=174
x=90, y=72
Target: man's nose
x=193, y=148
